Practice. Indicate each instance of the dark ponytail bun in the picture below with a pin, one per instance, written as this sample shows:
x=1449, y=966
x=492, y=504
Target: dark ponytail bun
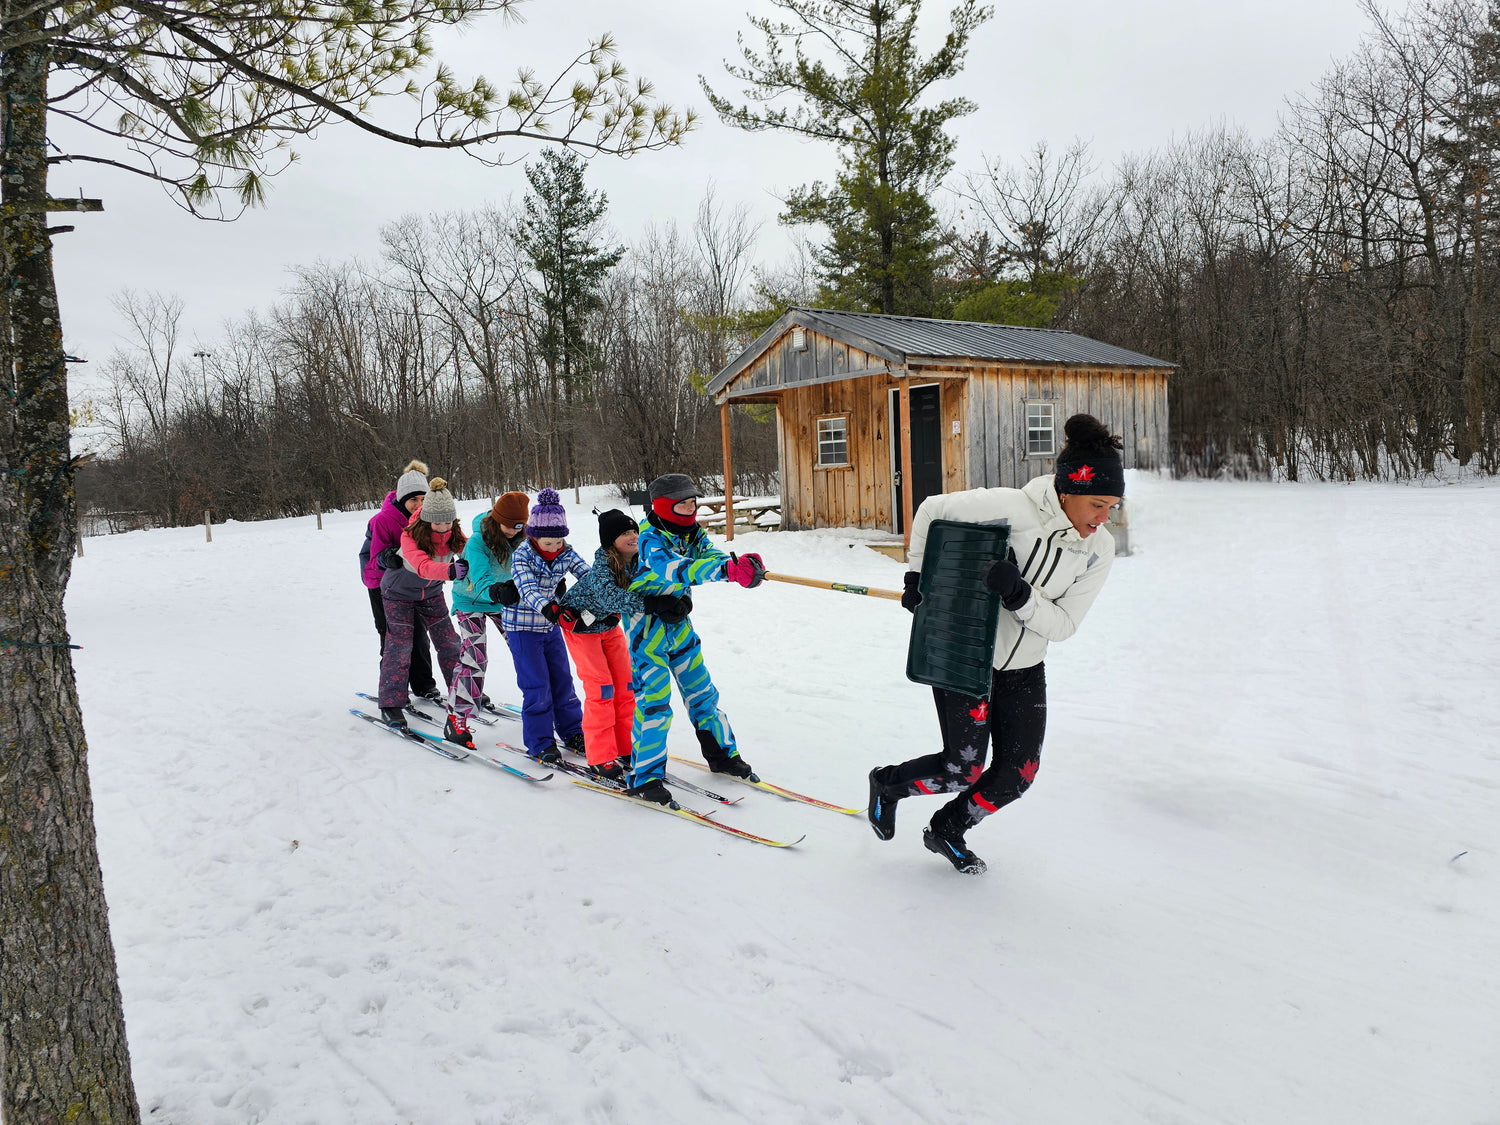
x=1089, y=436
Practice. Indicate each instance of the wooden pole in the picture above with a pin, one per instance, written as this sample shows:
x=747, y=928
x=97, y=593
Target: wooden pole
x=318, y=508
x=841, y=587
x=208, y=527
x=80, y=542
x=906, y=481
x=728, y=474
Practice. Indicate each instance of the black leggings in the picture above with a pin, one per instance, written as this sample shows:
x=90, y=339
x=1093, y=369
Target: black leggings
x=421, y=654
x=1015, y=715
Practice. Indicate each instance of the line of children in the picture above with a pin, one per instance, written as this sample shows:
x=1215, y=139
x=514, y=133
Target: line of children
x=513, y=571
x=411, y=588
x=480, y=597
x=384, y=531
x=549, y=705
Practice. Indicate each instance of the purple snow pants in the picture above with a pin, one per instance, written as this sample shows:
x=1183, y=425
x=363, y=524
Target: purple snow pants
x=400, y=619
x=548, y=701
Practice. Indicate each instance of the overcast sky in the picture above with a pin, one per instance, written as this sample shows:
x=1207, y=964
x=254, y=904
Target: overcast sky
x=1126, y=76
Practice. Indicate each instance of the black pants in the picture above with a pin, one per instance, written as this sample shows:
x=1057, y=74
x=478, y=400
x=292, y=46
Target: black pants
x=1015, y=716
x=420, y=675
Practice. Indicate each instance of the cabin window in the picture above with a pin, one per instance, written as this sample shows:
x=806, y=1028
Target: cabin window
x=833, y=442
x=1041, y=437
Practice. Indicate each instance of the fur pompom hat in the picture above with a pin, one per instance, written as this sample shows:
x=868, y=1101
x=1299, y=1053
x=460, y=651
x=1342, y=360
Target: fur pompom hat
x=548, y=520
x=413, y=482
x=439, y=506
x=1090, y=464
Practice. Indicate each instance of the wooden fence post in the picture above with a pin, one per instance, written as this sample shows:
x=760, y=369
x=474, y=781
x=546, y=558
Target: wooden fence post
x=208, y=527
x=318, y=508
x=80, y=542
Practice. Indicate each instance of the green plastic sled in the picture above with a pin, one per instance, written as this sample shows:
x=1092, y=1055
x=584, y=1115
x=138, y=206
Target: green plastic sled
x=953, y=631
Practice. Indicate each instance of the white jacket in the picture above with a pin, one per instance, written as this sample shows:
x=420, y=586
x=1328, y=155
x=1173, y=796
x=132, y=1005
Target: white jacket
x=1065, y=569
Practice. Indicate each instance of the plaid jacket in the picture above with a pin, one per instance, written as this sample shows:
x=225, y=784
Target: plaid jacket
x=537, y=580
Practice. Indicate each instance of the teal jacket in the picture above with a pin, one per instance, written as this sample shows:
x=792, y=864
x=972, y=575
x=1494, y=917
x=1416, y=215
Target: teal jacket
x=472, y=594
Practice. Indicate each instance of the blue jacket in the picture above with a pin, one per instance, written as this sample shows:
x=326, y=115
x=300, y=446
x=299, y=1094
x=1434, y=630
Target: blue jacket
x=472, y=594
x=671, y=561
x=536, y=580
x=598, y=593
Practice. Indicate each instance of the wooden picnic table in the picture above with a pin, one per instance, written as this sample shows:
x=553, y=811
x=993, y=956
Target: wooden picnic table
x=750, y=508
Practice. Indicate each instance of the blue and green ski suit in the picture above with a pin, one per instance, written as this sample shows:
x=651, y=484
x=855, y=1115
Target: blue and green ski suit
x=672, y=561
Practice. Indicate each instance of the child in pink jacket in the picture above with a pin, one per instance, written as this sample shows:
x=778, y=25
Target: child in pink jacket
x=411, y=588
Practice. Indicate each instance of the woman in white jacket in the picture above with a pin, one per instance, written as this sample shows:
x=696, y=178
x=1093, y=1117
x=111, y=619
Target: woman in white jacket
x=1057, y=564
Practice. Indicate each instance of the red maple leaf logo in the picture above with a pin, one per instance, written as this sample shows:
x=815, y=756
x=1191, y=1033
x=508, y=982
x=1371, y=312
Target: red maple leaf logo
x=974, y=773
x=1082, y=475
x=1028, y=771
x=982, y=712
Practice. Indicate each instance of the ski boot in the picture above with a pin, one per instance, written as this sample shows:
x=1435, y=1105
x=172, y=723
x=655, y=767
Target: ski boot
x=574, y=742
x=720, y=760
x=654, y=792
x=433, y=694
x=612, y=771
x=394, y=717
x=882, y=807
x=454, y=730
x=950, y=845
x=551, y=756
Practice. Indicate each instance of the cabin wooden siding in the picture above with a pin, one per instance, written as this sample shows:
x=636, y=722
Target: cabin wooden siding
x=859, y=495
x=1132, y=404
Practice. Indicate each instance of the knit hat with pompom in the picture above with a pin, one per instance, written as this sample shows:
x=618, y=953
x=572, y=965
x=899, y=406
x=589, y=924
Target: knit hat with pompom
x=413, y=482
x=1090, y=465
x=439, y=506
x=548, y=520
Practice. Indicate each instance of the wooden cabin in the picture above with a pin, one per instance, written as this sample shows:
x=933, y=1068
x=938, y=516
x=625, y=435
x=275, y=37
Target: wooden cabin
x=865, y=402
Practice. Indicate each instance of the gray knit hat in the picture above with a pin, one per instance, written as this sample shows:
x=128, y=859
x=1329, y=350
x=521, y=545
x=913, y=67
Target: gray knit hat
x=413, y=482
x=674, y=486
x=439, y=506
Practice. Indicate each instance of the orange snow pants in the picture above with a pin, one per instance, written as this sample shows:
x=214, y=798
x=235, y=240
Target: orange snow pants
x=603, y=663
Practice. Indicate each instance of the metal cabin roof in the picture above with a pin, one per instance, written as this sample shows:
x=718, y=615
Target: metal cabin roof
x=903, y=338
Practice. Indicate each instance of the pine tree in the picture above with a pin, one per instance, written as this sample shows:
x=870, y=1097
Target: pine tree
x=561, y=234
x=884, y=247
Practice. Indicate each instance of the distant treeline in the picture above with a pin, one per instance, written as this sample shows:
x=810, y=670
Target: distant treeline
x=1330, y=293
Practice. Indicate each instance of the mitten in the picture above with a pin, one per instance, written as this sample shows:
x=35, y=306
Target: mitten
x=389, y=559
x=505, y=592
x=458, y=570
x=1004, y=577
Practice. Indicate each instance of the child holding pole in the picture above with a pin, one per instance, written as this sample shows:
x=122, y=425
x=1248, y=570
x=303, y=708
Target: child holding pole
x=676, y=555
x=412, y=592
x=549, y=705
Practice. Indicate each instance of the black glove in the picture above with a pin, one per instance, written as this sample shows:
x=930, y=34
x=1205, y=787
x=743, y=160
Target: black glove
x=610, y=621
x=505, y=593
x=671, y=609
x=550, y=612
x=389, y=559
x=1004, y=577
x=910, y=598
x=562, y=588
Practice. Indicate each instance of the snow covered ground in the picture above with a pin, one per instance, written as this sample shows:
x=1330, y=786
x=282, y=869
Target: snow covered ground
x=1256, y=880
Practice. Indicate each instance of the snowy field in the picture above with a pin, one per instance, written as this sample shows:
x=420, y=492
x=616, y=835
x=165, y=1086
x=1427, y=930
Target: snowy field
x=1256, y=880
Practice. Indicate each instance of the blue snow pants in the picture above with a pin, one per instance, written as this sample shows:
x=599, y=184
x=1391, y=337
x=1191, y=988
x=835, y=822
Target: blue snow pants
x=548, y=701
x=660, y=653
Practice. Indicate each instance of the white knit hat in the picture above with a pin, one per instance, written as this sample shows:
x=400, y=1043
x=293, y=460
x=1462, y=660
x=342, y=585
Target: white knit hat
x=413, y=482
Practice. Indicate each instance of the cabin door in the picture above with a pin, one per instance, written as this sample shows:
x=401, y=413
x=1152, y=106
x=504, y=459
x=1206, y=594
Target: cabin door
x=926, y=448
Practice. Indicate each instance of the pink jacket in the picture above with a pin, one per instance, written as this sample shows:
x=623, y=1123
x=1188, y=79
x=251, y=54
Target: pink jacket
x=433, y=567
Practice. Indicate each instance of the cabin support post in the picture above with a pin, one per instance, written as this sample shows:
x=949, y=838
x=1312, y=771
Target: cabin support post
x=906, y=482
x=728, y=474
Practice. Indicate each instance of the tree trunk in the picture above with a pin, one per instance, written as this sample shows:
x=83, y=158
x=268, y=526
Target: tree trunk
x=63, y=1056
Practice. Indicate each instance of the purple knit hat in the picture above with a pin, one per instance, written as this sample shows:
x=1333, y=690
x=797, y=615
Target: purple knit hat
x=548, y=520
